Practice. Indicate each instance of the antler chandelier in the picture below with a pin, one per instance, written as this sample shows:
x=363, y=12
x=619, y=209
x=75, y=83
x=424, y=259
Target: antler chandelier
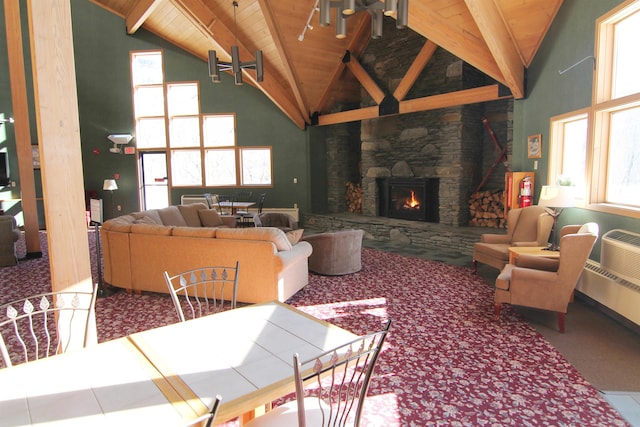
x=236, y=66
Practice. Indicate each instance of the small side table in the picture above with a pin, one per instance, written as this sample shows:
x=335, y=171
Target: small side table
x=541, y=251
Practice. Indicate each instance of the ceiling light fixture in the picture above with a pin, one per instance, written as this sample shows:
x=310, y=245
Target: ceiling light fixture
x=236, y=66
x=376, y=8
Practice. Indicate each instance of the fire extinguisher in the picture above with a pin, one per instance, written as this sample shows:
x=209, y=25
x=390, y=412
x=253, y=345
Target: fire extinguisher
x=525, y=198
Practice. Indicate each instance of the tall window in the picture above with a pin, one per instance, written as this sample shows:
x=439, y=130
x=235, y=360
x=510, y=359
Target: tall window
x=609, y=134
x=201, y=148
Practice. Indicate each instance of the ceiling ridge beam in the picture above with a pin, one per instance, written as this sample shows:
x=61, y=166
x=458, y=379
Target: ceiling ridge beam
x=269, y=16
x=269, y=86
x=140, y=12
x=412, y=74
x=500, y=43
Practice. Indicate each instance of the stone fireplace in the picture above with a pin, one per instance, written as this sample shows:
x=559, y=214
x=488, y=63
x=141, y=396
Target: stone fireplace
x=409, y=198
x=447, y=148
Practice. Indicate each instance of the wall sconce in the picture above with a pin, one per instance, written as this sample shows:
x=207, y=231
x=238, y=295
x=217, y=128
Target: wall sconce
x=118, y=140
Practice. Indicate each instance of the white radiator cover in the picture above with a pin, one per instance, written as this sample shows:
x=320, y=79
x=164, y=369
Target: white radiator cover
x=615, y=281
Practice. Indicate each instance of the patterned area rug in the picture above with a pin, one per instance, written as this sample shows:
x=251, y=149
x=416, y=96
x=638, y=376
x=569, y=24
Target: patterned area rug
x=446, y=362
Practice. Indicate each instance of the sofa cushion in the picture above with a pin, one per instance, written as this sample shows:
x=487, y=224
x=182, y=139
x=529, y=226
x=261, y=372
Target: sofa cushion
x=161, y=230
x=194, y=232
x=146, y=220
x=151, y=215
x=190, y=213
x=121, y=224
x=294, y=236
x=210, y=218
x=171, y=216
x=269, y=234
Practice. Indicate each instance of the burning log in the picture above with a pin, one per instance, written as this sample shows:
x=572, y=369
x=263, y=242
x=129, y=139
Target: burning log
x=354, y=197
x=487, y=209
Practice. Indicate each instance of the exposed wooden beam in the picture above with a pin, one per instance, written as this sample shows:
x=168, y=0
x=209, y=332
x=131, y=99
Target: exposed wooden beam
x=356, y=47
x=453, y=38
x=202, y=17
x=502, y=46
x=139, y=14
x=467, y=96
x=22, y=130
x=294, y=81
x=364, y=78
x=415, y=69
x=434, y=102
x=349, y=116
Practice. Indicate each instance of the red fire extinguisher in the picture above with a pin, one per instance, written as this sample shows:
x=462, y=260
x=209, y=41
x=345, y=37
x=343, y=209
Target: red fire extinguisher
x=525, y=197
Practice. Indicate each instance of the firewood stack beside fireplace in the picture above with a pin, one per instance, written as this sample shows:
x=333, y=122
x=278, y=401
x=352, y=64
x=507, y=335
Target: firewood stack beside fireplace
x=354, y=197
x=487, y=209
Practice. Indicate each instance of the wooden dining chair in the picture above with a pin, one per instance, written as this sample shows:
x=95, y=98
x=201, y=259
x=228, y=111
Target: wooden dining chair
x=331, y=387
x=45, y=324
x=202, y=291
x=207, y=419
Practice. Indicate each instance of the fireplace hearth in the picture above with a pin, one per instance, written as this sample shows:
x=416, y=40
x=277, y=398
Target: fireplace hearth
x=409, y=198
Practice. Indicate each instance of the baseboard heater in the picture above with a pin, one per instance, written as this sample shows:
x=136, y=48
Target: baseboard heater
x=615, y=281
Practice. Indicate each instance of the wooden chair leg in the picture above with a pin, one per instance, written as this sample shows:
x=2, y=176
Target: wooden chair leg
x=475, y=266
x=496, y=311
x=561, y=322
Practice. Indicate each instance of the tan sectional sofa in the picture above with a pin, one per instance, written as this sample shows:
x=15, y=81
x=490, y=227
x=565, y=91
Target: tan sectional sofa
x=137, y=249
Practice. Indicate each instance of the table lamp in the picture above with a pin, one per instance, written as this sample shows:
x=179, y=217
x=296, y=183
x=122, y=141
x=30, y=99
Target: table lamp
x=555, y=198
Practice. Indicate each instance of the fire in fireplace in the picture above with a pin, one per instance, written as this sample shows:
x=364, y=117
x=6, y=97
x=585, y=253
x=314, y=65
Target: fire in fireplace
x=409, y=198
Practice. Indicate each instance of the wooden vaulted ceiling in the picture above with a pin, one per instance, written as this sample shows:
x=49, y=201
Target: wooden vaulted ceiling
x=305, y=78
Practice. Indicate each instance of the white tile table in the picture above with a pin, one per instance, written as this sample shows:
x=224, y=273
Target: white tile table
x=168, y=375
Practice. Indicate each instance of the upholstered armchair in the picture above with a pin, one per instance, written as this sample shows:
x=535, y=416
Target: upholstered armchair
x=283, y=221
x=9, y=235
x=528, y=226
x=336, y=252
x=545, y=283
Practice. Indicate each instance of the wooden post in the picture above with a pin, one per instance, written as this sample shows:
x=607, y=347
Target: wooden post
x=56, y=106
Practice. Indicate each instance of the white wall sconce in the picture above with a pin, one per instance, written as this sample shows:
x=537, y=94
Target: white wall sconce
x=119, y=140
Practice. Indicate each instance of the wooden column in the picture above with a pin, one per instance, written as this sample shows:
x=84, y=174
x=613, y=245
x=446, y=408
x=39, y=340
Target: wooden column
x=56, y=106
x=21, y=126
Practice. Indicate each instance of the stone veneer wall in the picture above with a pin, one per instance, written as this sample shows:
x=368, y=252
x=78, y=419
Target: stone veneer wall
x=451, y=144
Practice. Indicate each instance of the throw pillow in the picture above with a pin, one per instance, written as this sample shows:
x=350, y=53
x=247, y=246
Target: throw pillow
x=294, y=236
x=210, y=218
x=190, y=213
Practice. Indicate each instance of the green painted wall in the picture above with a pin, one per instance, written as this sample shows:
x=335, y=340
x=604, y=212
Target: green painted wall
x=101, y=48
x=549, y=93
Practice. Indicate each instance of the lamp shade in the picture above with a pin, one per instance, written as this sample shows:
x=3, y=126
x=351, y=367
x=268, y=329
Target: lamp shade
x=110, y=184
x=557, y=196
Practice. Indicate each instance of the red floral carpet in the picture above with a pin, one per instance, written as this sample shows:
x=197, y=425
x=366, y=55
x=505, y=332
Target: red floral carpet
x=446, y=362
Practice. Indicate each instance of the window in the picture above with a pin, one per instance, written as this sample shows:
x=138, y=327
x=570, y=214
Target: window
x=602, y=144
x=201, y=148
x=568, y=149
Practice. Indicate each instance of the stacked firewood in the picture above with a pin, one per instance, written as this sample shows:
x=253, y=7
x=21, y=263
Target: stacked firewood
x=487, y=209
x=354, y=197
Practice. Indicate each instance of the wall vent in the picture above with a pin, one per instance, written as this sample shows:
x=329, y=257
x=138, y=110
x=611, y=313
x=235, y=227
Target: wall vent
x=620, y=254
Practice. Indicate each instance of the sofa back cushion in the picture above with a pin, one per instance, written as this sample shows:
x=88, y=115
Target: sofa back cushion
x=121, y=224
x=160, y=230
x=210, y=218
x=269, y=234
x=171, y=216
x=190, y=213
x=148, y=217
x=205, y=232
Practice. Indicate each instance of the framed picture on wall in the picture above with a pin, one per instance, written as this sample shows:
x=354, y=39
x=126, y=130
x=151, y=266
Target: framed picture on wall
x=534, y=146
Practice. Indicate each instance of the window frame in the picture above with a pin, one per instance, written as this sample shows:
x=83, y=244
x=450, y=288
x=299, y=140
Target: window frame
x=599, y=114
